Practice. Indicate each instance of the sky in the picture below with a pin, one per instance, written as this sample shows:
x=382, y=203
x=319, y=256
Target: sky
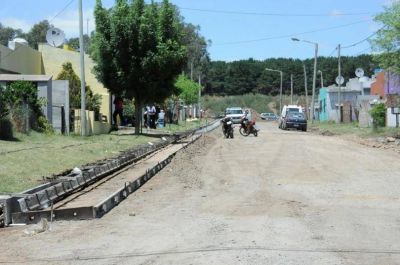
x=239, y=29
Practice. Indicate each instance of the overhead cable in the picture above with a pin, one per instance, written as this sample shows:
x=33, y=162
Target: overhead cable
x=290, y=35
x=229, y=12
x=365, y=39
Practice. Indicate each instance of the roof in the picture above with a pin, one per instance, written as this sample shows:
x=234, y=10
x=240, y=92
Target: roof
x=31, y=78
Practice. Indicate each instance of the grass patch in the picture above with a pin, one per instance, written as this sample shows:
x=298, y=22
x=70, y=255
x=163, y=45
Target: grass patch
x=258, y=102
x=23, y=163
x=353, y=129
x=26, y=160
x=185, y=125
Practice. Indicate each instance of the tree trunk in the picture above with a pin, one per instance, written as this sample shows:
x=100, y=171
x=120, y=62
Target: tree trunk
x=138, y=116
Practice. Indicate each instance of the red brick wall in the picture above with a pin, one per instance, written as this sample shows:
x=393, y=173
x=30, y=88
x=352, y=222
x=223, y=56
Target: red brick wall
x=378, y=88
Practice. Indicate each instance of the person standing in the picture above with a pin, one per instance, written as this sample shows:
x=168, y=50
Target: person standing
x=118, y=110
x=161, y=118
x=152, y=113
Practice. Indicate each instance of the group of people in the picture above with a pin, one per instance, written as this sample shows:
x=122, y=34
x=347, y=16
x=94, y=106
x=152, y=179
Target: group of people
x=152, y=115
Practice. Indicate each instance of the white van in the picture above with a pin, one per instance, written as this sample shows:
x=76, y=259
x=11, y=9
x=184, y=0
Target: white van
x=286, y=109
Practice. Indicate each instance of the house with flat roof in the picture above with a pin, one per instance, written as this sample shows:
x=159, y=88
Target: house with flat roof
x=18, y=61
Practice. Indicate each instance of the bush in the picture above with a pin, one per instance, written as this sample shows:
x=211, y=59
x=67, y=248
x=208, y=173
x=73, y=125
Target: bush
x=44, y=125
x=378, y=113
x=257, y=102
x=6, y=129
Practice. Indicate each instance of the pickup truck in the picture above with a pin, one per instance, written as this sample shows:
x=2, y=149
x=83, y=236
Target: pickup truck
x=236, y=113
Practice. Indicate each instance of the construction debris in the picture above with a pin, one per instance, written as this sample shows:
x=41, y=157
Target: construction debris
x=41, y=227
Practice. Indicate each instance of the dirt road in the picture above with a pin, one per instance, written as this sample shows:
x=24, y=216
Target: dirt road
x=280, y=198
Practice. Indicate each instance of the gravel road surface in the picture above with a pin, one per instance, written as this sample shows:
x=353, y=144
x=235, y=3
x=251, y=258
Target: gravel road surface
x=283, y=197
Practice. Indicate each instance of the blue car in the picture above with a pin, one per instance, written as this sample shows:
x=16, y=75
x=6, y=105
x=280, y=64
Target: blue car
x=268, y=116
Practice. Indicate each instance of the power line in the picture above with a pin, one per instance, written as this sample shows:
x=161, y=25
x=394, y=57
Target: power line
x=332, y=52
x=363, y=51
x=62, y=10
x=365, y=39
x=229, y=12
x=291, y=35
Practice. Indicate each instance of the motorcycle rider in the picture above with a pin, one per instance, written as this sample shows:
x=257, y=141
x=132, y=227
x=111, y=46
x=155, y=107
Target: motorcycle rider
x=247, y=119
x=227, y=128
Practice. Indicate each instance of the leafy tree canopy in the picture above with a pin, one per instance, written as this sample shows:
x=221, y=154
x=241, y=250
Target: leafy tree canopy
x=8, y=33
x=93, y=101
x=138, y=50
x=387, y=41
x=249, y=76
x=188, y=89
x=37, y=34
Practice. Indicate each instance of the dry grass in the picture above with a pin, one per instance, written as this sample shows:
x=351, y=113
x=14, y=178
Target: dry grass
x=353, y=129
x=25, y=162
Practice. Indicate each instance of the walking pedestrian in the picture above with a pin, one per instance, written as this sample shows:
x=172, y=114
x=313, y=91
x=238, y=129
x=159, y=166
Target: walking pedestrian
x=118, y=111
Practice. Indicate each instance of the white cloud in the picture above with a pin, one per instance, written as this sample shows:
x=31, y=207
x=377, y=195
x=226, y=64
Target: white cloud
x=16, y=23
x=67, y=22
x=336, y=13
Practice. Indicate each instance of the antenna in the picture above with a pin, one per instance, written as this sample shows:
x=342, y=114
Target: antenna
x=359, y=72
x=55, y=37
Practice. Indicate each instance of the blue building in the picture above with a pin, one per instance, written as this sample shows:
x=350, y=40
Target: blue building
x=328, y=104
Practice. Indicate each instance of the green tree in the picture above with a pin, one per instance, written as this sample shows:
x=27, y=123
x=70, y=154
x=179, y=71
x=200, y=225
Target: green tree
x=8, y=33
x=18, y=101
x=197, y=54
x=37, y=34
x=249, y=76
x=74, y=43
x=93, y=101
x=378, y=113
x=138, y=50
x=387, y=41
x=188, y=89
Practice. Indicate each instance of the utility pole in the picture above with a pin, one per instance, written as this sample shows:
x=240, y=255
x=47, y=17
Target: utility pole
x=306, y=89
x=280, y=95
x=191, y=70
x=322, y=79
x=82, y=55
x=314, y=76
x=291, y=89
x=314, y=82
x=198, y=103
x=340, y=87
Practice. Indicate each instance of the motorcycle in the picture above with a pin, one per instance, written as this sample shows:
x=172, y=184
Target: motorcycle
x=248, y=127
x=227, y=127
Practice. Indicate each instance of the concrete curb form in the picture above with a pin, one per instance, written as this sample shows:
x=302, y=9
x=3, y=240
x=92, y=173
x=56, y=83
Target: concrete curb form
x=30, y=206
x=100, y=209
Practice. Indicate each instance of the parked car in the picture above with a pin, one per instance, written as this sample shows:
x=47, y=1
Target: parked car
x=295, y=120
x=288, y=109
x=268, y=116
x=235, y=113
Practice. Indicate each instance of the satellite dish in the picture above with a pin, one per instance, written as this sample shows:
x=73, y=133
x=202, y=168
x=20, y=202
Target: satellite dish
x=55, y=37
x=339, y=80
x=359, y=72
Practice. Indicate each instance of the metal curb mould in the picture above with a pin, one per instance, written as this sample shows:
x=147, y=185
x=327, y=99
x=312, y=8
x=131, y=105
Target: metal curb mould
x=100, y=209
x=28, y=207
